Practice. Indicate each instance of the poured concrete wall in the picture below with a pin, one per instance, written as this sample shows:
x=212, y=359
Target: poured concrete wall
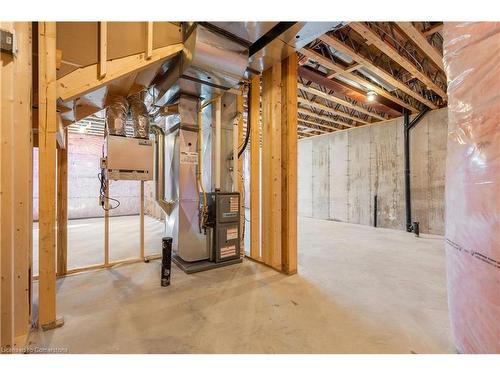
x=340, y=173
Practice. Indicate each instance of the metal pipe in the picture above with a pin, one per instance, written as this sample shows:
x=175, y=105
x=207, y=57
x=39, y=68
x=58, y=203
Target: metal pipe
x=407, y=126
x=166, y=206
x=406, y=123
x=375, y=208
x=218, y=141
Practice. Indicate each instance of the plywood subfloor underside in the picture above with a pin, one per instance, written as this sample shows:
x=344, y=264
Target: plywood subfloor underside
x=358, y=290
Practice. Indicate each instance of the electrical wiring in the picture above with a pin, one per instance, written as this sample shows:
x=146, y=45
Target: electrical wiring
x=102, y=193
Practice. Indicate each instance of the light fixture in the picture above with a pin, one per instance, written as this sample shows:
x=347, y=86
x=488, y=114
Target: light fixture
x=370, y=96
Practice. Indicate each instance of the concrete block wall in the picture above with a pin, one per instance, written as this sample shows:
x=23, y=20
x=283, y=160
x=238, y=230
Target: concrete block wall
x=339, y=174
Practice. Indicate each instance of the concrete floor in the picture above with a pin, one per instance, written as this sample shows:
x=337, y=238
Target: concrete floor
x=359, y=290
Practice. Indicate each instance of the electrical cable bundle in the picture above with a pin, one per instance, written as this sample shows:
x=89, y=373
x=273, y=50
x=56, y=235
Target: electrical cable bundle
x=102, y=192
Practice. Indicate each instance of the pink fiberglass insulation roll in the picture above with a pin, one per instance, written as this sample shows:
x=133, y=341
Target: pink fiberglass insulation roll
x=472, y=63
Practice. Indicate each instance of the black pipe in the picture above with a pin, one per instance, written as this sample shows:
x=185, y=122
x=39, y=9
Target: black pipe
x=407, y=126
x=375, y=211
x=166, y=260
x=249, y=123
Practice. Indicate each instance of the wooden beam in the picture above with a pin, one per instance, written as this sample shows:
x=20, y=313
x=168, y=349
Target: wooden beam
x=271, y=166
x=314, y=123
x=389, y=50
x=310, y=113
x=7, y=116
x=388, y=105
x=329, y=110
x=149, y=40
x=345, y=103
x=433, y=30
x=23, y=183
x=141, y=217
x=421, y=41
x=62, y=207
x=289, y=164
x=254, y=115
x=339, y=46
x=84, y=80
x=346, y=72
x=47, y=128
x=103, y=48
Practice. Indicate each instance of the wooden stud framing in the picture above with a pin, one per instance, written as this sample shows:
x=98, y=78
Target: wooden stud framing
x=149, y=40
x=47, y=128
x=62, y=207
x=271, y=166
x=106, y=223
x=103, y=48
x=372, y=38
x=254, y=115
x=421, y=41
x=289, y=165
x=16, y=186
x=141, y=239
x=7, y=115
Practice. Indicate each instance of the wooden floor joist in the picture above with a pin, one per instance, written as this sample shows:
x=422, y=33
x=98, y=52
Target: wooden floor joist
x=314, y=104
x=336, y=100
x=339, y=46
x=372, y=38
x=421, y=41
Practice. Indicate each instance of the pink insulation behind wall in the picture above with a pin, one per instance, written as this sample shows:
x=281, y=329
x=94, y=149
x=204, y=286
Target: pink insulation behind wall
x=471, y=58
x=84, y=153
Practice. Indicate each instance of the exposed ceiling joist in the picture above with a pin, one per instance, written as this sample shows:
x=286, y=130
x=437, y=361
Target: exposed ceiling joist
x=327, y=63
x=373, y=38
x=310, y=113
x=339, y=46
x=421, y=41
x=433, y=30
x=345, y=103
x=383, y=105
x=325, y=108
x=332, y=128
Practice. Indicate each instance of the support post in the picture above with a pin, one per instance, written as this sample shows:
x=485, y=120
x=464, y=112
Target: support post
x=271, y=166
x=106, y=222
x=103, y=48
x=62, y=207
x=253, y=126
x=289, y=164
x=141, y=255
x=16, y=186
x=47, y=179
